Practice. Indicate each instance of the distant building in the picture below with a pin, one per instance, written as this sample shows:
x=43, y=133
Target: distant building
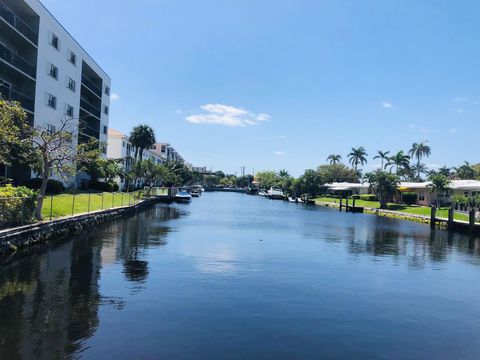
x=167, y=152
x=44, y=68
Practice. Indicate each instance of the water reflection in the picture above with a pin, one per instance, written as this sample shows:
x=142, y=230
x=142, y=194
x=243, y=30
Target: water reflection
x=49, y=302
x=243, y=269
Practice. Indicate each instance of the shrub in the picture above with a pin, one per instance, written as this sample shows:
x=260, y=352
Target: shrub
x=409, y=198
x=17, y=205
x=368, y=197
x=53, y=186
x=104, y=186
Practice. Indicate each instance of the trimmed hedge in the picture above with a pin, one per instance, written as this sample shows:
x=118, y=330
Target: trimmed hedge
x=53, y=186
x=103, y=186
x=17, y=205
x=409, y=198
x=368, y=197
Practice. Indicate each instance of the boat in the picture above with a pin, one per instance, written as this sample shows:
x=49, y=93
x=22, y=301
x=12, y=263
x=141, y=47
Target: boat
x=295, y=200
x=262, y=193
x=275, y=193
x=183, y=196
x=195, y=194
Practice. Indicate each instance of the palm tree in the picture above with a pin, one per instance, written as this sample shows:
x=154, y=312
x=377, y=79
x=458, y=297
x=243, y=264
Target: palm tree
x=358, y=157
x=283, y=174
x=400, y=160
x=142, y=137
x=383, y=155
x=420, y=150
x=334, y=158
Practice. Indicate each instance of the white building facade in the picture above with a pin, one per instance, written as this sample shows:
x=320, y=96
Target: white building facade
x=50, y=74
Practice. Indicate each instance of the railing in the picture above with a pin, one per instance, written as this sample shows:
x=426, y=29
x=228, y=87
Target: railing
x=84, y=129
x=13, y=95
x=91, y=85
x=92, y=109
x=19, y=62
x=18, y=24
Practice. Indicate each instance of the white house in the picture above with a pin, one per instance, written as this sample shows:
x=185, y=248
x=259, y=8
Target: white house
x=347, y=188
x=44, y=68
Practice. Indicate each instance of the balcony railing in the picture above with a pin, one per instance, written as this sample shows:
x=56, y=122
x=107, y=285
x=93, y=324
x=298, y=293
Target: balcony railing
x=13, y=95
x=91, y=85
x=92, y=109
x=17, y=61
x=18, y=24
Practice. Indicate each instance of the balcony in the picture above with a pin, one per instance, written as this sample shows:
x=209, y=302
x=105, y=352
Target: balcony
x=18, y=24
x=87, y=106
x=89, y=131
x=90, y=85
x=17, y=61
x=13, y=95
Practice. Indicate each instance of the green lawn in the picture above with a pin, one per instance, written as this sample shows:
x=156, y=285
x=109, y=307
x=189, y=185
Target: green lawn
x=68, y=204
x=415, y=210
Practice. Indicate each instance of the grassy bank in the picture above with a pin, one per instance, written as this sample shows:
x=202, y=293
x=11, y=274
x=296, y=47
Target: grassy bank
x=68, y=204
x=408, y=209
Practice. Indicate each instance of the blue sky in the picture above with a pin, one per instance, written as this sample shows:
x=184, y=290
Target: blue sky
x=284, y=83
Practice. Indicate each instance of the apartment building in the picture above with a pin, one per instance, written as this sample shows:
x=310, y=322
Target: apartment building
x=120, y=147
x=51, y=75
x=168, y=152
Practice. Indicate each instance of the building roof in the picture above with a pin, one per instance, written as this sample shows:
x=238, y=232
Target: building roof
x=113, y=132
x=467, y=185
x=346, y=186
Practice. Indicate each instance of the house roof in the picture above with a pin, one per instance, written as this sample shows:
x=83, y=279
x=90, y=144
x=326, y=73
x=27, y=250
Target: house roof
x=346, y=186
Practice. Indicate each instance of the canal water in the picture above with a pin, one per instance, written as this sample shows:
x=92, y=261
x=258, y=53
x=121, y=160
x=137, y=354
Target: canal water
x=231, y=276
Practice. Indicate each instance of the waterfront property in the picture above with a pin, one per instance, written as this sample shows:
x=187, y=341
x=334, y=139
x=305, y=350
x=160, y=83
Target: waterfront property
x=425, y=196
x=44, y=68
x=230, y=276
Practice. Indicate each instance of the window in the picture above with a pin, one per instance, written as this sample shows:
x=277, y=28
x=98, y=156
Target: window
x=69, y=110
x=123, y=143
x=53, y=72
x=107, y=90
x=105, y=129
x=71, y=84
x=105, y=110
x=50, y=129
x=52, y=101
x=54, y=41
x=73, y=58
x=163, y=148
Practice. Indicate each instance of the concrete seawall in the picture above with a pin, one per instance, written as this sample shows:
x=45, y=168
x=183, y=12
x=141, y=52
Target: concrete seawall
x=40, y=232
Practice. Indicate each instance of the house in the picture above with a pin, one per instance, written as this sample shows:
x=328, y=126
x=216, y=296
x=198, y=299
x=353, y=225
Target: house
x=426, y=197
x=347, y=189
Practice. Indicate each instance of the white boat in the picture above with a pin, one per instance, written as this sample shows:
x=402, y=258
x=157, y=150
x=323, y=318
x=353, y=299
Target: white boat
x=295, y=200
x=275, y=193
x=183, y=196
x=262, y=193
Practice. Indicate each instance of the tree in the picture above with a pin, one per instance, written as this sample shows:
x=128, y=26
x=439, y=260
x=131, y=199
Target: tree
x=439, y=183
x=336, y=173
x=383, y=155
x=400, y=161
x=268, y=179
x=15, y=133
x=334, y=158
x=142, y=137
x=358, y=157
x=309, y=184
x=384, y=185
x=283, y=174
x=465, y=172
x=418, y=151
x=56, y=152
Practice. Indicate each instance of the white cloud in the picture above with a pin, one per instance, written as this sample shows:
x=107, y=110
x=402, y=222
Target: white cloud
x=387, y=104
x=178, y=111
x=114, y=97
x=452, y=130
x=460, y=99
x=282, y=136
x=278, y=152
x=226, y=115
